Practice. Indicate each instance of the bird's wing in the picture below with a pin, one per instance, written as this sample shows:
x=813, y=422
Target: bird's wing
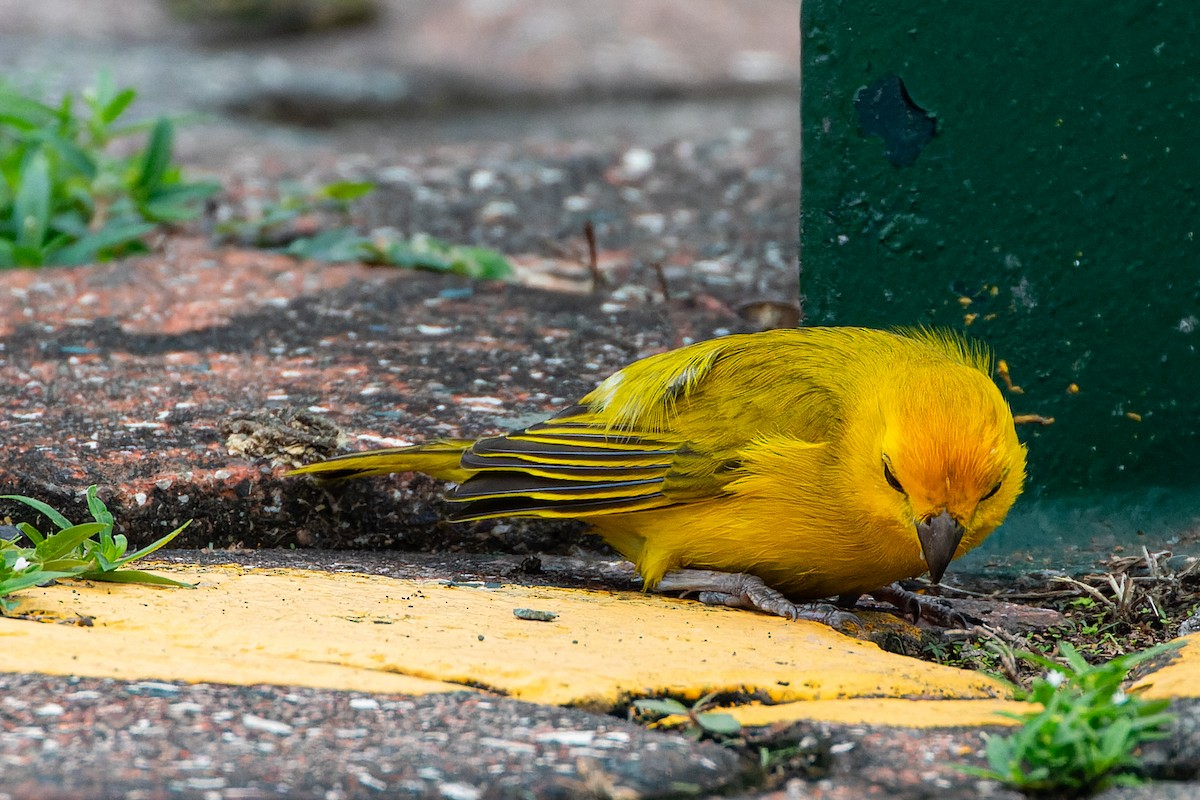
x=666, y=430
x=571, y=466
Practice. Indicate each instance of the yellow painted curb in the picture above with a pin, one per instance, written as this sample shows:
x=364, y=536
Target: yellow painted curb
x=1180, y=678
x=895, y=712
x=379, y=634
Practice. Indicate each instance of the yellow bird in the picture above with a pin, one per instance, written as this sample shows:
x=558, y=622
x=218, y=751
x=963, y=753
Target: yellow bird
x=760, y=469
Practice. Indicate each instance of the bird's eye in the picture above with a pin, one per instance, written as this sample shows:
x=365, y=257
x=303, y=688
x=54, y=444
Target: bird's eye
x=991, y=492
x=890, y=477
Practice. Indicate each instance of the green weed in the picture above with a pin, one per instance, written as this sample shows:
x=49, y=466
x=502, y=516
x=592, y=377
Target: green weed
x=1087, y=732
x=65, y=198
x=699, y=722
x=389, y=249
x=275, y=224
x=88, y=551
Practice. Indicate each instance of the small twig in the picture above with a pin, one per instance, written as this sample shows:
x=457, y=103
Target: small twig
x=662, y=280
x=589, y=234
x=1153, y=566
x=1096, y=593
x=1003, y=646
x=1125, y=592
x=1154, y=606
x=967, y=592
x=1041, y=594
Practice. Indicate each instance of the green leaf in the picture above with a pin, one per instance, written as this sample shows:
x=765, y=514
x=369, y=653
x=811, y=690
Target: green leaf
x=156, y=158
x=133, y=576
x=45, y=510
x=102, y=89
x=335, y=246
x=999, y=753
x=1146, y=727
x=70, y=564
x=97, y=508
x=31, y=206
x=665, y=706
x=66, y=117
x=404, y=255
x=116, y=105
x=1115, y=740
x=719, y=722
x=23, y=113
x=32, y=533
x=178, y=202
x=150, y=548
x=66, y=540
x=113, y=237
x=346, y=191
x=28, y=256
x=75, y=158
x=979, y=772
x=28, y=579
x=480, y=262
x=1074, y=660
x=108, y=550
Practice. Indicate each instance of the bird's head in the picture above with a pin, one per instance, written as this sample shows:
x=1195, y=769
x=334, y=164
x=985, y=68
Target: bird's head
x=944, y=460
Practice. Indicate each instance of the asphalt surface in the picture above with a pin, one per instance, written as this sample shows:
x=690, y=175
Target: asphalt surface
x=98, y=739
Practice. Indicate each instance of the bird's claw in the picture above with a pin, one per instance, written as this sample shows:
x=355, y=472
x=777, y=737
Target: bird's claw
x=741, y=590
x=771, y=602
x=933, y=610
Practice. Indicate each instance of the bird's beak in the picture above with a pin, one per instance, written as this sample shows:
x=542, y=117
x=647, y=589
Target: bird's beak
x=939, y=539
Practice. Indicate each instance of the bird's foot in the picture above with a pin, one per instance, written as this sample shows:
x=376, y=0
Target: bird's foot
x=741, y=590
x=934, y=610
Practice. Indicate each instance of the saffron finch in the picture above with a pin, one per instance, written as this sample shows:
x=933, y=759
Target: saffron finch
x=760, y=469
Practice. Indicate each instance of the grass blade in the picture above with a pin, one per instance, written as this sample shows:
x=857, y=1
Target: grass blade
x=134, y=576
x=28, y=579
x=150, y=548
x=50, y=513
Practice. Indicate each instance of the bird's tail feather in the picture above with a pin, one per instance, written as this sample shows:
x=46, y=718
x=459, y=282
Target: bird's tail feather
x=441, y=459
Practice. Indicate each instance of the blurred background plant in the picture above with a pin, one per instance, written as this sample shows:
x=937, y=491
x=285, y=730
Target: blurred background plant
x=318, y=224
x=67, y=193
x=71, y=194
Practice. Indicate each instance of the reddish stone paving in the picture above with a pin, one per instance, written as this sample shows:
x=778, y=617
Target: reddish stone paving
x=133, y=375
x=189, y=287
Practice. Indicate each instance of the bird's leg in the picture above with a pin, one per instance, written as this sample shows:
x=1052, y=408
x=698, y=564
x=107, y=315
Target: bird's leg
x=740, y=590
x=920, y=606
x=847, y=600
